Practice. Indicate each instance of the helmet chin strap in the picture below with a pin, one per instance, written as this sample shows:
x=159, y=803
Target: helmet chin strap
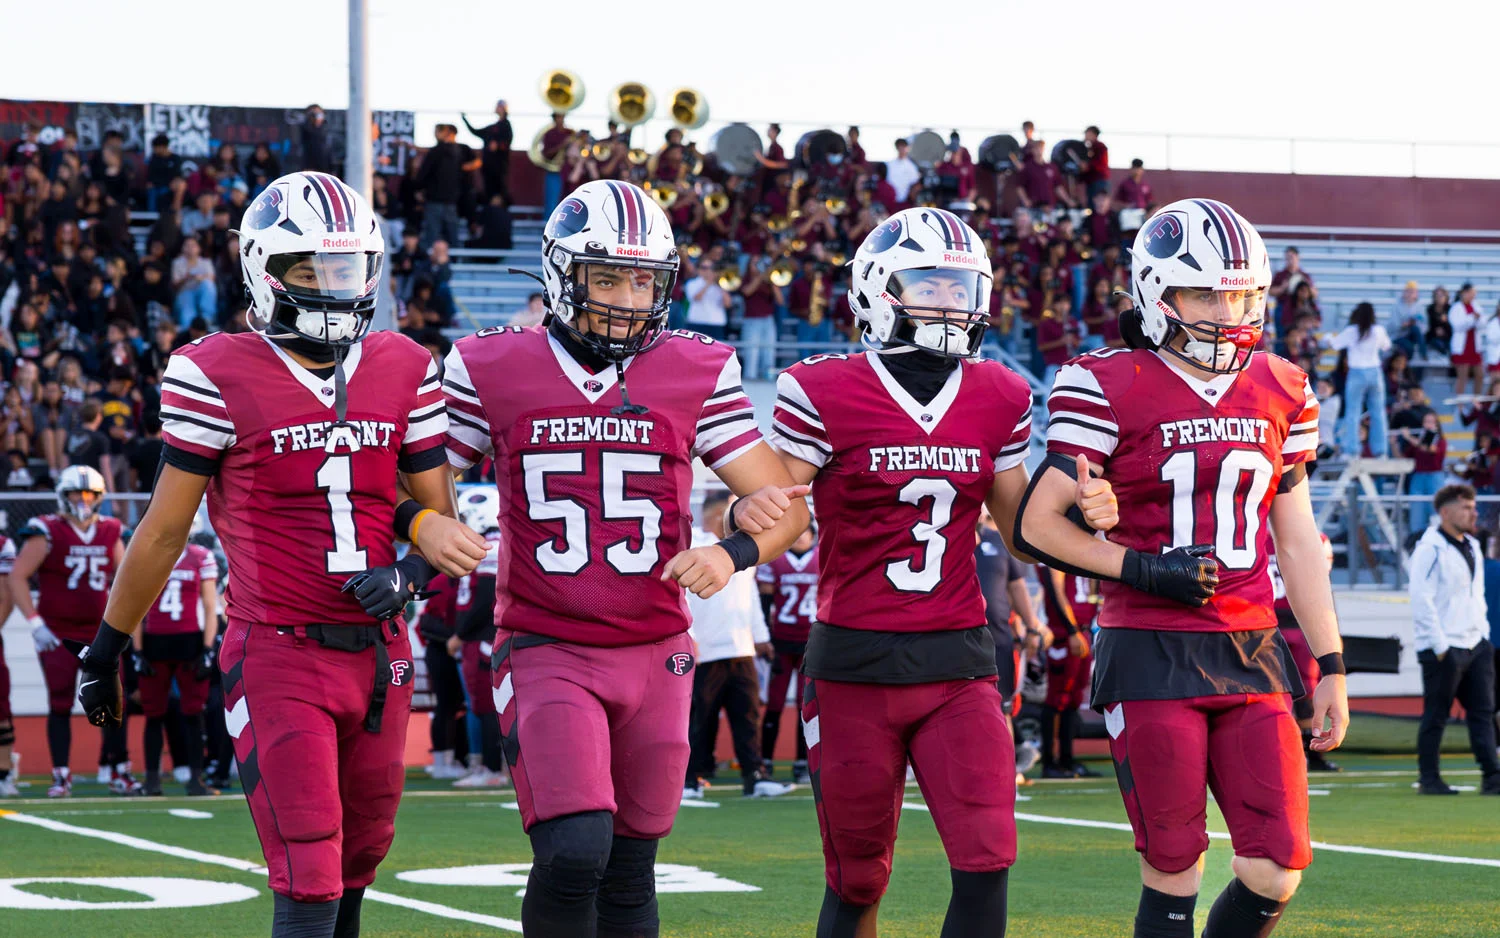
x=625, y=407
x=340, y=385
x=946, y=338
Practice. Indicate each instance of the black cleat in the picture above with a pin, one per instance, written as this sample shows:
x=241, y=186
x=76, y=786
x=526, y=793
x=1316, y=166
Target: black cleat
x=800, y=775
x=1082, y=771
x=1317, y=762
x=1491, y=785
x=1053, y=771
x=196, y=789
x=1436, y=787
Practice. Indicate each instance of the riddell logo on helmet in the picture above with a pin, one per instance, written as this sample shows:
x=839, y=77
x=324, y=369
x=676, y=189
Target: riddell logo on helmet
x=632, y=252
x=355, y=243
x=965, y=260
x=275, y=284
x=1236, y=281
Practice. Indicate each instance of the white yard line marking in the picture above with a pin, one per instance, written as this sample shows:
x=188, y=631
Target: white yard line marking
x=245, y=866
x=190, y=814
x=1317, y=845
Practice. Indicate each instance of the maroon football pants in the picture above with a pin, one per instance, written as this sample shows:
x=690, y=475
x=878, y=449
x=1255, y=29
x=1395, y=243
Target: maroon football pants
x=782, y=667
x=4, y=685
x=1067, y=677
x=1244, y=747
x=475, y=669
x=156, y=688
x=595, y=729
x=322, y=789
x=859, y=739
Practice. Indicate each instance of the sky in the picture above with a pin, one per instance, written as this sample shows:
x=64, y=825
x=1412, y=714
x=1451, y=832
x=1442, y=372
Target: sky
x=1232, y=84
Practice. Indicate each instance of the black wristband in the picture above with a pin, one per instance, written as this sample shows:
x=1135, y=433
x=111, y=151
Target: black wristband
x=103, y=654
x=1130, y=569
x=418, y=571
x=731, y=527
x=1332, y=663
x=406, y=513
x=741, y=549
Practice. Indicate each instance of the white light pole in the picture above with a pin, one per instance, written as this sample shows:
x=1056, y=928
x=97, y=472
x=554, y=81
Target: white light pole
x=358, y=145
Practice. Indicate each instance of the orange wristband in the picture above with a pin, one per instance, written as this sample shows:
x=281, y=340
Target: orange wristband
x=417, y=522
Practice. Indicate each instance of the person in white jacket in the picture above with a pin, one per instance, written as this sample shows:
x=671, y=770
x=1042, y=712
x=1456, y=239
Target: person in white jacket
x=1464, y=346
x=730, y=630
x=1451, y=622
x=1489, y=346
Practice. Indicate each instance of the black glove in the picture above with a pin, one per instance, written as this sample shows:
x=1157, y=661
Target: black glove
x=140, y=665
x=206, y=665
x=100, y=692
x=384, y=591
x=1187, y=575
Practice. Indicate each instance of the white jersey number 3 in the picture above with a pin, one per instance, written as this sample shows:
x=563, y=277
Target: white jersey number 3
x=902, y=574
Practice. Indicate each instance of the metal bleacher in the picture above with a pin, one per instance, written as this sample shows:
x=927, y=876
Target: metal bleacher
x=485, y=293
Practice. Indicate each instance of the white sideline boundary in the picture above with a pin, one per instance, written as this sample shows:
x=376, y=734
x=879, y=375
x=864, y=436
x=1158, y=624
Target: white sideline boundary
x=246, y=866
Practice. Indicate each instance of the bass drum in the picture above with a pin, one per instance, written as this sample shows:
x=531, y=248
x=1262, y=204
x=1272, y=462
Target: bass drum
x=735, y=149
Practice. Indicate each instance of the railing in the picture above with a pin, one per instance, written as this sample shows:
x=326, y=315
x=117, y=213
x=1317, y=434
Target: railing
x=1373, y=552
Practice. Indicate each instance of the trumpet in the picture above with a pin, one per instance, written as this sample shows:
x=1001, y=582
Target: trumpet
x=837, y=258
x=600, y=151
x=693, y=251
x=798, y=245
x=837, y=205
x=665, y=196
x=637, y=157
x=783, y=271
x=716, y=203
x=730, y=281
x=778, y=223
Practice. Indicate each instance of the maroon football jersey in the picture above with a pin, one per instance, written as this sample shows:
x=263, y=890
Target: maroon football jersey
x=1082, y=596
x=7, y=555
x=1191, y=462
x=794, y=604
x=302, y=505
x=593, y=503
x=179, y=610
x=900, y=484
x=73, y=581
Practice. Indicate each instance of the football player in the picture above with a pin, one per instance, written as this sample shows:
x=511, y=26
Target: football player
x=474, y=632
x=903, y=444
x=8, y=787
x=594, y=419
x=789, y=597
x=73, y=554
x=1307, y=665
x=1071, y=603
x=1204, y=439
x=176, y=645
x=297, y=430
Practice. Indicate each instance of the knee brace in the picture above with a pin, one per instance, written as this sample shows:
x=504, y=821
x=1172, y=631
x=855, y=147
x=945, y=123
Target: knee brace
x=7, y=733
x=627, y=894
x=571, y=853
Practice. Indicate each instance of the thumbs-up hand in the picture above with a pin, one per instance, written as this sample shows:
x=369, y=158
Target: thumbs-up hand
x=760, y=510
x=1095, y=498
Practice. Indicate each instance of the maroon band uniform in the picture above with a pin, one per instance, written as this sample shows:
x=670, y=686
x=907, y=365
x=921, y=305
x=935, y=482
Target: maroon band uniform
x=1196, y=699
x=302, y=504
x=901, y=631
x=592, y=665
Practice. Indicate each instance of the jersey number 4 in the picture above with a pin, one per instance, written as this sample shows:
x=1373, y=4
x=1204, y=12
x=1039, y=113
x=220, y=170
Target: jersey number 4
x=1244, y=477
x=615, y=469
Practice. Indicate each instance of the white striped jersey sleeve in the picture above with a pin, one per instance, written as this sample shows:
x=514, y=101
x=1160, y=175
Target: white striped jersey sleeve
x=1013, y=453
x=428, y=420
x=1080, y=417
x=468, y=434
x=1301, y=442
x=726, y=427
x=193, y=414
x=796, y=427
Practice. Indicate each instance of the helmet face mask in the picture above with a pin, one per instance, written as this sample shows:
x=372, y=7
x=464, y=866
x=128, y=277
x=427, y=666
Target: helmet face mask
x=80, y=492
x=937, y=309
x=618, y=310
x=1216, y=330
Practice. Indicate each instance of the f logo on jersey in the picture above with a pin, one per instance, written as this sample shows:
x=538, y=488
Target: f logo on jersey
x=265, y=211
x=680, y=663
x=1164, y=237
x=399, y=670
x=571, y=217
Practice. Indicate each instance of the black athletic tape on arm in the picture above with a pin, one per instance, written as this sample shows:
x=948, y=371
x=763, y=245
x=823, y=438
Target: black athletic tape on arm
x=1332, y=663
x=421, y=462
x=406, y=513
x=187, y=461
x=1070, y=468
x=1291, y=477
x=1030, y=549
x=730, y=525
x=741, y=549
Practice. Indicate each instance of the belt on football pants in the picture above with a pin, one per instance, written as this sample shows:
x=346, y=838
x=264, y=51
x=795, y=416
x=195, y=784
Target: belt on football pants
x=356, y=638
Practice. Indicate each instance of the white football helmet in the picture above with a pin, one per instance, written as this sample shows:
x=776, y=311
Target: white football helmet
x=79, y=479
x=1201, y=270
x=612, y=224
x=479, y=508
x=311, y=251
x=922, y=280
